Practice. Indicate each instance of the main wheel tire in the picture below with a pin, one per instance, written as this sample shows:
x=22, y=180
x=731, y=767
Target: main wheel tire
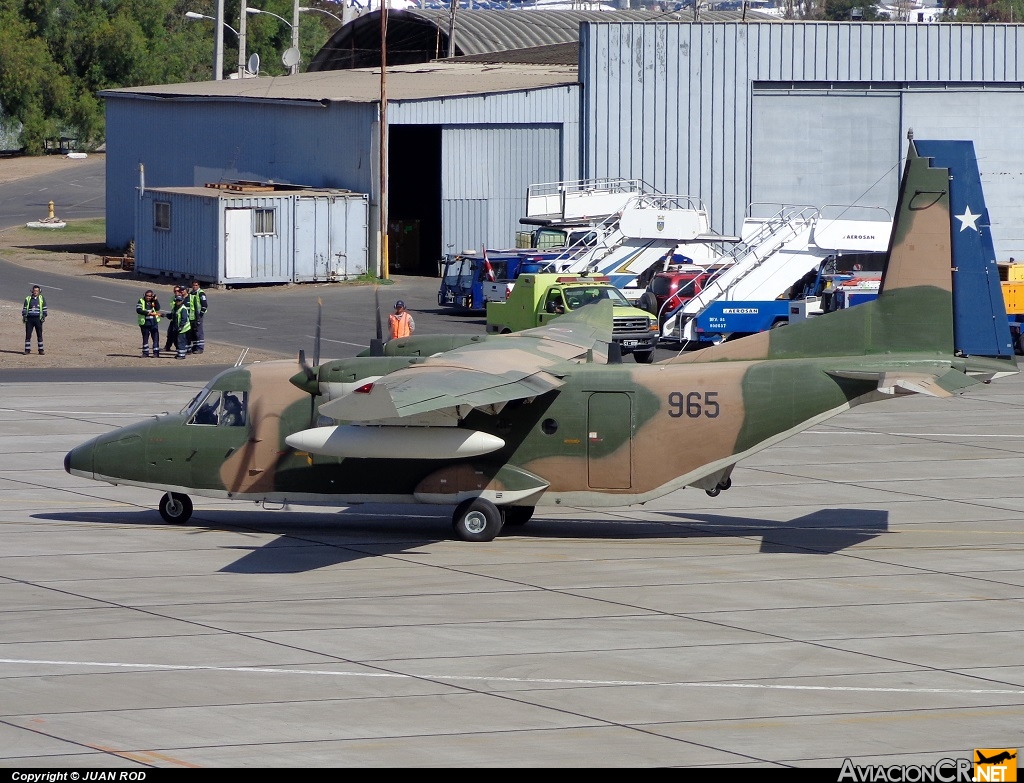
x=476, y=519
x=714, y=493
x=643, y=357
x=725, y=483
x=175, y=508
x=649, y=302
x=517, y=515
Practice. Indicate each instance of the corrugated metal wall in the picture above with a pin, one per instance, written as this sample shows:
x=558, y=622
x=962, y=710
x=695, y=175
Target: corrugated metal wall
x=317, y=236
x=673, y=104
x=189, y=248
x=492, y=147
x=185, y=142
x=484, y=176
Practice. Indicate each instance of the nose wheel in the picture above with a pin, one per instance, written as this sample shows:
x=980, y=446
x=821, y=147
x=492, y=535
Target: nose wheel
x=175, y=508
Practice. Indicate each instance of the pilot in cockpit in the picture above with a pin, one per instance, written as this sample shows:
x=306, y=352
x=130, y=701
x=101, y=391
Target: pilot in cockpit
x=233, y=415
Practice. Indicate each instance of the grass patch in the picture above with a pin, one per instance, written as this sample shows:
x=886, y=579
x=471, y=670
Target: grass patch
x=77, y=237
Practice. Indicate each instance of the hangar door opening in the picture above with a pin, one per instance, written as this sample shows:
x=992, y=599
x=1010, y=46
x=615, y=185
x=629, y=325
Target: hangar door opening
x=414, y=199
x=825, y=148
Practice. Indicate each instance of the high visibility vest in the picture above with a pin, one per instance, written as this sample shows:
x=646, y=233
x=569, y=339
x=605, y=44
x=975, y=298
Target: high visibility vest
x=399, y=325
x=145, y=311
x=182, y=318
x=27, y=308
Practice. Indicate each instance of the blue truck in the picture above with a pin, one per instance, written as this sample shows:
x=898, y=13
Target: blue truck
x=464, y=276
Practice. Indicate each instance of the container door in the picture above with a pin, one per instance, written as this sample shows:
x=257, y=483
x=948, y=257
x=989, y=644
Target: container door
x=304, y=266
x=237, y=243
x=609, y=440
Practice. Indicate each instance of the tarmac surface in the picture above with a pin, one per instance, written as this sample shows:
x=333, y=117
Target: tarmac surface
x=857, y=594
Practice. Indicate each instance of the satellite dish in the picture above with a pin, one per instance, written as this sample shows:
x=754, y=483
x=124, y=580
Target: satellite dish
x=290, y=58
x=253, y=66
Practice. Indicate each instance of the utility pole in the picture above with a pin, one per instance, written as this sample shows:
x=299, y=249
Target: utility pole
x=385, y=271
x=295, y=35
x=218, y=42
x=451, y=27
x=242, y=14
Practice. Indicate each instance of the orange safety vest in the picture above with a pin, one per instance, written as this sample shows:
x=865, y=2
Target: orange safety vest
x=399, y=325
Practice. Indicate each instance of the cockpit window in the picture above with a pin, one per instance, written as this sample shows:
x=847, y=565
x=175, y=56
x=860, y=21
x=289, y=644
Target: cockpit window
x=220, y=409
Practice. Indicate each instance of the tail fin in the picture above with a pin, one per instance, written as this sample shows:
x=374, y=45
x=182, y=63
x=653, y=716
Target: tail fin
x=940, y=290
x=976, y=288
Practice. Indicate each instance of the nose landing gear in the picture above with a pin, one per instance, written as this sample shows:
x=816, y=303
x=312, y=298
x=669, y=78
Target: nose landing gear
x=723, y=484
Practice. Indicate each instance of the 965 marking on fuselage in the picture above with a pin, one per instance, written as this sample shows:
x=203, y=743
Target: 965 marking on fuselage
x=693, y=405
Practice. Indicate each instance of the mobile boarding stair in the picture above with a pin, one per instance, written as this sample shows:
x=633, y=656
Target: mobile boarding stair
x=773, y=253
x=626, y=244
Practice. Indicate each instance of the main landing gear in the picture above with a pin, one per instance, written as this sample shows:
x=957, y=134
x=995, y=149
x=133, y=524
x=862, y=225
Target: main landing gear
x=724, y=484
x=478, y=519
x=175, y=508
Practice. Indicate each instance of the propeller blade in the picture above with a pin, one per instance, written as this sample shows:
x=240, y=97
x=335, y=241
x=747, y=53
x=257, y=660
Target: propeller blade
x=306, y=368
x=319, y=318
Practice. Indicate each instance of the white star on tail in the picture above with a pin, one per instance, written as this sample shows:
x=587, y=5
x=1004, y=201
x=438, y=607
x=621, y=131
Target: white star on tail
x=967, y=220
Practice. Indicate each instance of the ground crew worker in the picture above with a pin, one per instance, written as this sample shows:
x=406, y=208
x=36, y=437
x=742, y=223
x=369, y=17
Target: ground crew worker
x=197, y=306
x=183, y=324
x=148, y=310
x=172, y=327
x=33, y=313
x=400, y=322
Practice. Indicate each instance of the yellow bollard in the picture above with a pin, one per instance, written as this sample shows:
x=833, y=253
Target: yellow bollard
x=50, y=216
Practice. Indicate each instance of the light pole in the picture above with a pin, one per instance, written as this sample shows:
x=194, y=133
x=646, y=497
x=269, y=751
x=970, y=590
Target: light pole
x=218, y=47
x=291, y=60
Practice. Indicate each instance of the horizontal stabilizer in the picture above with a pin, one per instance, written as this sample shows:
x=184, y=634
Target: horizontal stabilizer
x=890, y=381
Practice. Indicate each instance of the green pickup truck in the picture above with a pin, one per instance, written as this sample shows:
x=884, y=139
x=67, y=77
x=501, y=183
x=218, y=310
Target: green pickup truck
x=537, y=299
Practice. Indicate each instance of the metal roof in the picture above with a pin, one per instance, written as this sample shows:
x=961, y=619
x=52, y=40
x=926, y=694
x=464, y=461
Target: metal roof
x=404, y=82
x=421, y=35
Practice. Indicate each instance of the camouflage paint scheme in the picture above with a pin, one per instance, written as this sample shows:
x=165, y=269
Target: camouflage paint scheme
x=577, y=429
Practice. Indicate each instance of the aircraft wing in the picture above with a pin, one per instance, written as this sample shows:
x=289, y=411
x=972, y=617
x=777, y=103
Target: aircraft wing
x=484, y=375
x=940, y=383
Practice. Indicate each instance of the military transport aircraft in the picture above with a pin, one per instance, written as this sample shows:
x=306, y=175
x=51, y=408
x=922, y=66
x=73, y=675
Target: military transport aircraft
x=497, y=425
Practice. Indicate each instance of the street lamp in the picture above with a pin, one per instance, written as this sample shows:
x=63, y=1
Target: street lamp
x=303, y=10
x=218, y=40
x=291, y=57
x=194, y=15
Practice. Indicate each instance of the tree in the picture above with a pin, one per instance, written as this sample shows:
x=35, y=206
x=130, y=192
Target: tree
x=33, y=89
x=1010, y=11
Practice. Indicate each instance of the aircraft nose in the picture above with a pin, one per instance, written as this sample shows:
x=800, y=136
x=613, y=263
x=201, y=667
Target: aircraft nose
x=79, y=461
